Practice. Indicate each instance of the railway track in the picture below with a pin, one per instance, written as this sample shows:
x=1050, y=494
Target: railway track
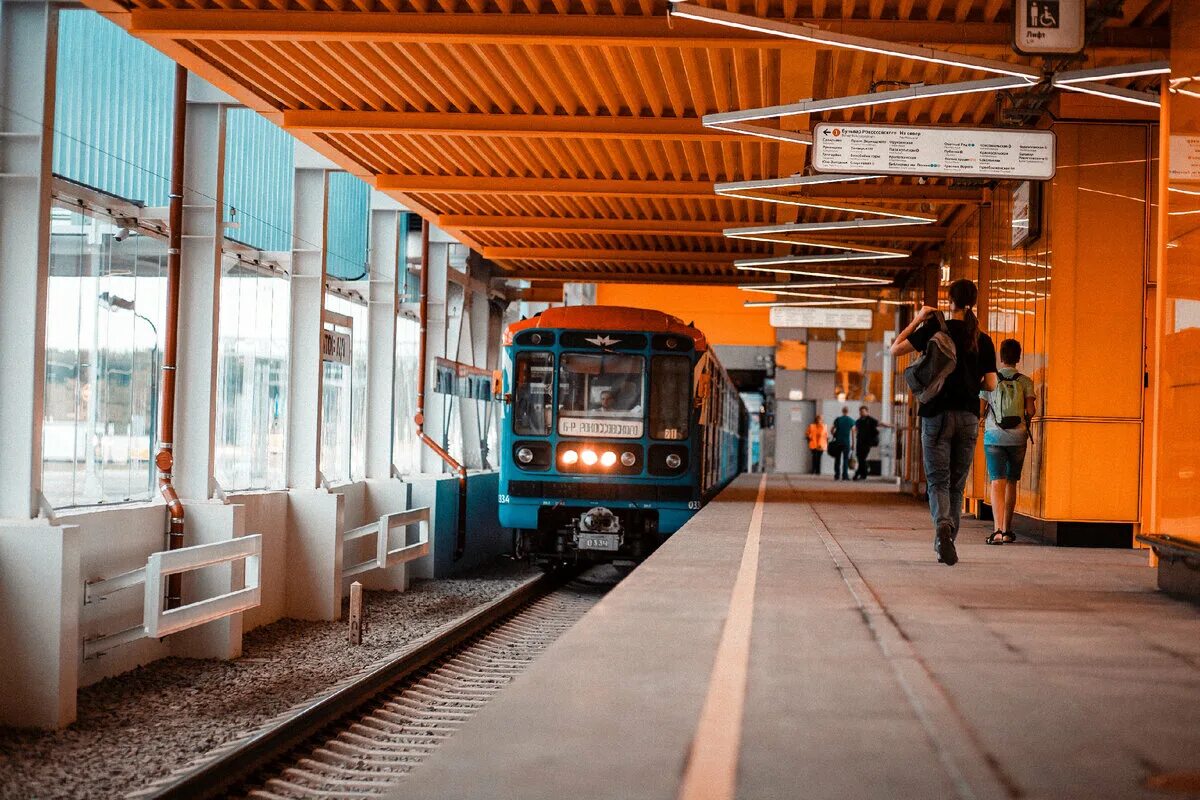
x=362, y=739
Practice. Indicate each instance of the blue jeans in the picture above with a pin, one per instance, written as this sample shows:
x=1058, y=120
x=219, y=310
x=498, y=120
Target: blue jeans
x=841, y=463
x=948, y=446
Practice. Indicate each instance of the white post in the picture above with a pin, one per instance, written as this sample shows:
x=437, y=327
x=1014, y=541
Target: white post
x=41, y=585
x=436, y=333
x=308, y=303
x=28, y=49
x=381, y=341
x=199, y=301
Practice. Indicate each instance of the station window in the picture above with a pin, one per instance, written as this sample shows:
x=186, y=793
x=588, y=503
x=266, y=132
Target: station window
x=252, y=377
x=533, y=392
x=406, y=454
x=105, y=307
x=670, y=397
x=344, y=393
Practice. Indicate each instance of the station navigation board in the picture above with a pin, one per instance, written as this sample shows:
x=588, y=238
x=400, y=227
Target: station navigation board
x=956, y=152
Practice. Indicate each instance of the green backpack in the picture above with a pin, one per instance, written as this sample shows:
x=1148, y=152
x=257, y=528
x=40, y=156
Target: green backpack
x=1009, y=410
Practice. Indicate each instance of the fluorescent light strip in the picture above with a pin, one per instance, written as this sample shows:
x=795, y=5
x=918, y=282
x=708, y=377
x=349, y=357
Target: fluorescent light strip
x=863, y=279
x=919, y=92
x=1112, y=73
x=809, y=202
x=850, y=253
x=1194, y=192
x=1113, y=93
x=803, y=303
x=818, y=36
x=792, y=181
x=835, y=225
x=791, y=137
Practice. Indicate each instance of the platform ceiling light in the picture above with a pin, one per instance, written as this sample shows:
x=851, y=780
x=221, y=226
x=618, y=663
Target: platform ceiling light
x=761, y=190
x=1086, y=81
x=919, y=91
x=823, y=295
x=1114, y=93
x=815, y=35
x=774, y=263
x=778, y=134
x=783, y=231
x=804, y=303
x=847, y=281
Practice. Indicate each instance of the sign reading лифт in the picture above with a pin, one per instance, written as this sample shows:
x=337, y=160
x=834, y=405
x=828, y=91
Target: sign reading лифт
x=911, y=150
x=1048, y=26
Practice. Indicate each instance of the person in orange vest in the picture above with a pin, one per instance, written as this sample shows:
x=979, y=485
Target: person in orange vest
x=818, y=440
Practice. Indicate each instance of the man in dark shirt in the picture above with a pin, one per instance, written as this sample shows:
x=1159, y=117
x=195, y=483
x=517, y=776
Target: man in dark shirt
x=950, y=421
x=866, y=436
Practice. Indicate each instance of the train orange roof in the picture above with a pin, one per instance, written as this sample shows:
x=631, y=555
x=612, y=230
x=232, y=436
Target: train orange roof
x=606, y=319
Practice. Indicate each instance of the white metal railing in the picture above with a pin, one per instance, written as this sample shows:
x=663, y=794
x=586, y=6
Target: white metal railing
x=157, y=621
x=385, y=555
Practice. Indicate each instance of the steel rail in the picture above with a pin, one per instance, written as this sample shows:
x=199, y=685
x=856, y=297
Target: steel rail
x=215, y=776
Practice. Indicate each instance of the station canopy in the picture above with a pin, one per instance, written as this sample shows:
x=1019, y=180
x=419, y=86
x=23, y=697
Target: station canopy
x=562, y=139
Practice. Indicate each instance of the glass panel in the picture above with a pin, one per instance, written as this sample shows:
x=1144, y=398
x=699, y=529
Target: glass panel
x=670, y=397
x=601, y=387
x=407, y=452
x=105, y=308
x=344, y=415
x=533, y=393
x=252, y=377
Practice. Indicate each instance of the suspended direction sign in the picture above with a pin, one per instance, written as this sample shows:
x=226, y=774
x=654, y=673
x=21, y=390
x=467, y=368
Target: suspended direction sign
x=820, y=317
x=907, y=150
x=1048, y=26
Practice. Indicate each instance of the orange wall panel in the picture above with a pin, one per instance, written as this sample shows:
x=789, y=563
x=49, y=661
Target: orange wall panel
x=716, y=310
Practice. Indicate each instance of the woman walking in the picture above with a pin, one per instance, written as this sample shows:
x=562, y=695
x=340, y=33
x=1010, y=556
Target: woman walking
x=950, y=420
x=818, y=440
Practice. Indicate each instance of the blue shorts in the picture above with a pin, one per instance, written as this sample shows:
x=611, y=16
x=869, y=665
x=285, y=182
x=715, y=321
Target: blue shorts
x=1004, y=462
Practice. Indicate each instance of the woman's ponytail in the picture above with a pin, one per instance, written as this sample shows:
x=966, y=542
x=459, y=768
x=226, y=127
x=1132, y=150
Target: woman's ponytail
x=964, y=294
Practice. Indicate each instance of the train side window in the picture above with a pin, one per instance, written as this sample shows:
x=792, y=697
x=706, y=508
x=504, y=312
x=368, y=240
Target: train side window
x=670, y=397
x=534, y=393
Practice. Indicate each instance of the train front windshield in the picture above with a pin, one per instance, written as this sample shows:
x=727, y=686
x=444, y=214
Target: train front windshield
x=601, y=394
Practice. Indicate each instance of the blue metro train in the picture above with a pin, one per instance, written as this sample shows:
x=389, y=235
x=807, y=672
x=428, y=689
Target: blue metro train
x=618, y=424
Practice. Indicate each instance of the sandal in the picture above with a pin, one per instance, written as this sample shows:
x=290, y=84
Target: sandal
x=997, y=537
x=1009, y=537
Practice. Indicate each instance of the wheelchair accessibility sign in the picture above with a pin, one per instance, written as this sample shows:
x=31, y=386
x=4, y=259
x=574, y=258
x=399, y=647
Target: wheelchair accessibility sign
x=1048, y=26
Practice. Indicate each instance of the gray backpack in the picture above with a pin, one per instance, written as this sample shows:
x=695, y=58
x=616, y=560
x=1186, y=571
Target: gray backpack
x=927, y=374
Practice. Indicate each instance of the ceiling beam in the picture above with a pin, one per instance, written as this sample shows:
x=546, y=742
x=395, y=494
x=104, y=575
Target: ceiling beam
x=587, y=254
x=545, y=187
x=563, y=29
x=507, y=126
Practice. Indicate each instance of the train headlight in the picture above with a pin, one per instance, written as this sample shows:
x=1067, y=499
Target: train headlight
x=628, y=458
x=524, y=455
x=608, y=459
x=570, y=457
x=672, y=461
x=589, y=457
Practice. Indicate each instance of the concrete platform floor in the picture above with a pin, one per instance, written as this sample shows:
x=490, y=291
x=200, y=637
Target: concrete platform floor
x=815, y=649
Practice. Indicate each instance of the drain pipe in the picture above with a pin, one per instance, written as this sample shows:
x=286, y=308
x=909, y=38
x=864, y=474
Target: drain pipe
x=165, y=460
x=460, y=542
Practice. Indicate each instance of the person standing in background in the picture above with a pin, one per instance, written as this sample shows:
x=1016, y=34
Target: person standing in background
x=866, y=436
x=843, y=427
x=1010, y=406
x=818, y=440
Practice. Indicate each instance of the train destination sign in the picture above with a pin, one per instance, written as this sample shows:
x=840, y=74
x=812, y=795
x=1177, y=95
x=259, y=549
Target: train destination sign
x=607, y=429
x=959, y=152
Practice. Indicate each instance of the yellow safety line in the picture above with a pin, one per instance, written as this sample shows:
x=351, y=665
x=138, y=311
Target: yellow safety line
x=711, y=772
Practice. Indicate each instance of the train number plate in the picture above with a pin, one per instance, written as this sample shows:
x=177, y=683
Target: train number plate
x=599, y=541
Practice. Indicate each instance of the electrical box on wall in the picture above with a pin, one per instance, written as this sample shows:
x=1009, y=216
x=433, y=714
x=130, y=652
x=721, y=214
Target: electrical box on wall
x=1026, y=216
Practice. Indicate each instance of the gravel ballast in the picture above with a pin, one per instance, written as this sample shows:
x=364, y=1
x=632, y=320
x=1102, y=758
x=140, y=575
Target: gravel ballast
x=140, y=726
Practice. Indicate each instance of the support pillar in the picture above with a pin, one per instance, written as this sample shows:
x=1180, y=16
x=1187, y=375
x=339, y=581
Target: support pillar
x=315, y=517
x=381, y=341
x=437, y=330
x=41, y=583
x=308, y=304
x=28, y=49
x=208, y=520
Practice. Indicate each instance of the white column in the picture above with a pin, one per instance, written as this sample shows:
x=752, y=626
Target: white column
x=199, y=301
x=381, y=341
x=308, y=303
x=436, y=333
x=41, y=585
x=28, y=45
